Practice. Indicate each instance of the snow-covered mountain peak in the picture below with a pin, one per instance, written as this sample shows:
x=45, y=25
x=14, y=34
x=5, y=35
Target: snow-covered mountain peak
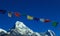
x=22, y=30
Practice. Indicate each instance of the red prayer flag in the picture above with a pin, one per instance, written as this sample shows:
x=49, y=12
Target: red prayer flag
x=17, y=14
x=47, y=20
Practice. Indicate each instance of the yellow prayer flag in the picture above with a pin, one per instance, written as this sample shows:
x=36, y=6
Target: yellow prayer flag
x=29, y=17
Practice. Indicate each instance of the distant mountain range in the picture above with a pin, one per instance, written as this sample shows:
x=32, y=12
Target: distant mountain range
x=22, y=30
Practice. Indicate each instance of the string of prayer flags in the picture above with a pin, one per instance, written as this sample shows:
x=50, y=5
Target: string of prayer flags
x=17, y=14
x=54, y=24
x=29, y=17
x=2, y=11
x=10, y=14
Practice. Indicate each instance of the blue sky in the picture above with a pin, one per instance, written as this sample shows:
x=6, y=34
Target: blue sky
x=49, y=9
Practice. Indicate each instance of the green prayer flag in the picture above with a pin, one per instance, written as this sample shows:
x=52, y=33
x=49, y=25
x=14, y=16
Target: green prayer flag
x=54, y=24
